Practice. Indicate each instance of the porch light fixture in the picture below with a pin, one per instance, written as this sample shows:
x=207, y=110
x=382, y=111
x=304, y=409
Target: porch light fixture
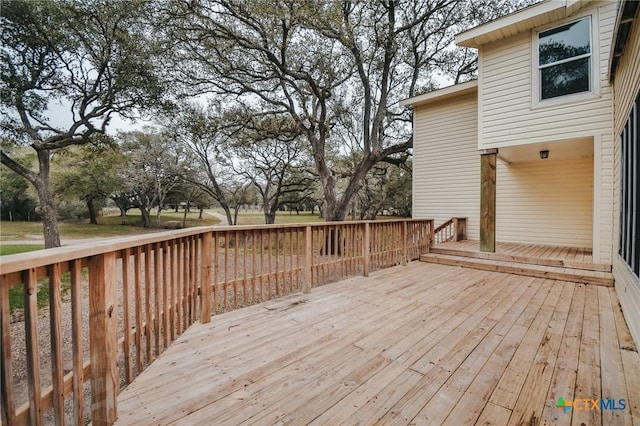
x=544, y=154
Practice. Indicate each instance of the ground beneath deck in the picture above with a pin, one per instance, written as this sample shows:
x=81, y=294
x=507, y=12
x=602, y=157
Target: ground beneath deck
x=416, y=344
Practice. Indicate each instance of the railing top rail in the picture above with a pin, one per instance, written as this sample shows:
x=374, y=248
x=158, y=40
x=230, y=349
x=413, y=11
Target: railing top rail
x=444, y=225
x=19, y=262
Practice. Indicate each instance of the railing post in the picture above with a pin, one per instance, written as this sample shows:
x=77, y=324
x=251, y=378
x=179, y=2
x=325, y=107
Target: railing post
x=205, y=279
x=308, y=260
x=405, y=248
x=7, y=403
x=366, y=250
x=103, y=344
x=432, y=234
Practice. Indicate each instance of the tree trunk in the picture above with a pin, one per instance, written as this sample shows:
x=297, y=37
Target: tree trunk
x=201, y=209
x=227, y=212
x=269, y=213
x=146, y=218
x=47, y=205
x=158, y=217
x=184, y=216
x=123, y=216
x=235, y=216
x=269, y=218
x=49, y=216
x=337, y=210
x=93, y=216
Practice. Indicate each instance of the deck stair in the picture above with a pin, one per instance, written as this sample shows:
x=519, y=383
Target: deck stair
x=580, y=271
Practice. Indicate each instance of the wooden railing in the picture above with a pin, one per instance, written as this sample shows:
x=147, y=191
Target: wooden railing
x=454, y=229
x=114, y=307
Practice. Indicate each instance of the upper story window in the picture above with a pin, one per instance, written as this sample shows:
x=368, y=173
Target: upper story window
x=564, y=59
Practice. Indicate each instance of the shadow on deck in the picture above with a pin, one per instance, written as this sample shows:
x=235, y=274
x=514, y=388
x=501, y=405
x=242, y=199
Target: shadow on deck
x=423, y=344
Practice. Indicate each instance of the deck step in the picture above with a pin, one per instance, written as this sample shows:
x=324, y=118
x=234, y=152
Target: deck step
x=531, y=260
x=584, y=276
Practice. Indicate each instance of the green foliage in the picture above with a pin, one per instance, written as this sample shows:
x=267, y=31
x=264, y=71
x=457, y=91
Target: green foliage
x=386, y=188
x=16, y=201
x=84, y=176
x=16, y=293
x=72, y=210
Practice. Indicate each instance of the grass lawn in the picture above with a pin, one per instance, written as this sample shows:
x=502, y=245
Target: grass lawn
x=16, y=293
x=18, y=248
x=108, y=226
x=257, y=218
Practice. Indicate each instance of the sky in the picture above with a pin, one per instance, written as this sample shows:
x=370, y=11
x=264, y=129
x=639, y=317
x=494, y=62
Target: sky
x=60, y=116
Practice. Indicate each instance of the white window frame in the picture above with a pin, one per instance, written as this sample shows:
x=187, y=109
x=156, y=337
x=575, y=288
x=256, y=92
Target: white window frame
x=594, y=74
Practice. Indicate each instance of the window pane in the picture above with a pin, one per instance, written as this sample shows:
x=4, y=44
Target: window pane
x=565, y=79
x=564, y=42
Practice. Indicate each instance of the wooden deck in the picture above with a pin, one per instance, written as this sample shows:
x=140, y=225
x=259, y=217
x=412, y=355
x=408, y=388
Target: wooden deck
x=417, y=344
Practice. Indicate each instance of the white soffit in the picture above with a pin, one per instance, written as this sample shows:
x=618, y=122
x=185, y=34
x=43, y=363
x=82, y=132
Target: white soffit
x=559, y=150
x=518, y=22
x=442, y=94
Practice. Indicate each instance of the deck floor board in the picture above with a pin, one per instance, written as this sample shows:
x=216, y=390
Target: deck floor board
x=422, y=344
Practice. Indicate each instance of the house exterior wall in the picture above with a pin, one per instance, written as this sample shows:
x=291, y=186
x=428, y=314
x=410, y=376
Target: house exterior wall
x=509, y=115
x=446, y=162
x=545, y=202
x=626, y=84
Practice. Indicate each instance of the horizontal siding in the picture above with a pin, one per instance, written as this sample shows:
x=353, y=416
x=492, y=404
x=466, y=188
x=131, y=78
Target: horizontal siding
x=627, y=78
x=545, y=202
x=605, y=199
x=446, y=163
x=628, y=290
x=507, y=116
x=626, y=85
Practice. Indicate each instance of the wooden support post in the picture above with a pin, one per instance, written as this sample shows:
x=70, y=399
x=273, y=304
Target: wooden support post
x=103, y=323
x=488, y=200
x=366, y=250
x=308, y=260
x=205, y=279
x=461, y=228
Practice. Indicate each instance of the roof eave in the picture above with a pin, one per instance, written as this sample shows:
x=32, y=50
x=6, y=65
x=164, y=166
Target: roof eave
x=625, y=19
x=513, y=23
x=448, y=92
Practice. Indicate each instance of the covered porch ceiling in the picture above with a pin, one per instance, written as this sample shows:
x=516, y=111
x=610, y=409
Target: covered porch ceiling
x=570, y=149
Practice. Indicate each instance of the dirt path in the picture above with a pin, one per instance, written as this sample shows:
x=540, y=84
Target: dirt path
x=222, y=218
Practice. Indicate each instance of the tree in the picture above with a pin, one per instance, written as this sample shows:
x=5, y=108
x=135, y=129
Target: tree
x=271, y=156
x=155, y=167
x=92, y=58
x=90, y=173
x=316, y=61
x=205, y=133
x=387, y=188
